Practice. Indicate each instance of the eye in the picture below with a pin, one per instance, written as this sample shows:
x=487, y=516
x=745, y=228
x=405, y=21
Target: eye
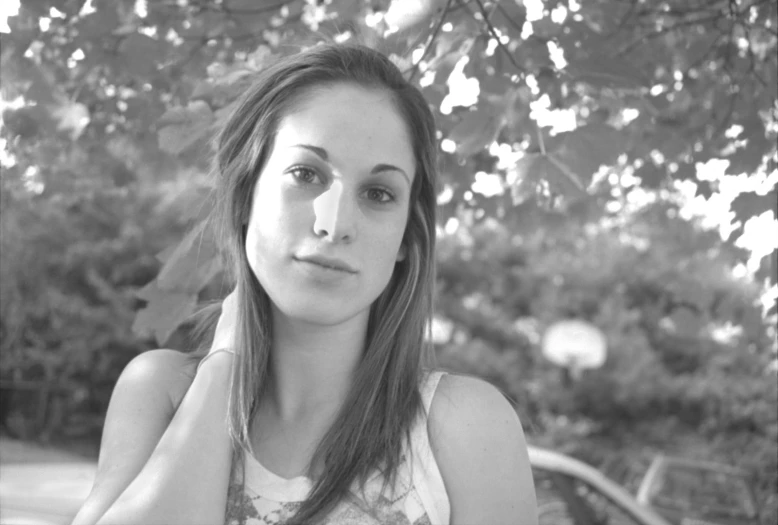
x=304, y=175
x=380, y=195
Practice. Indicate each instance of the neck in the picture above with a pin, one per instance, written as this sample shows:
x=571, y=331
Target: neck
x=312, y=366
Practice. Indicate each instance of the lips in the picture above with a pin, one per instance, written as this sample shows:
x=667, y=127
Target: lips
x=328, y=262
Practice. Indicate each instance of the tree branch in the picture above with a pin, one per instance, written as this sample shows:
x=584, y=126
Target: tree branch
x=511, y=20
x=659, y=32
x=435, y=31
x=493, y=32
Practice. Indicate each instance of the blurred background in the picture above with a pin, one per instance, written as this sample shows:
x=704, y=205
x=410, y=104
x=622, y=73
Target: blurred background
x=607, y=215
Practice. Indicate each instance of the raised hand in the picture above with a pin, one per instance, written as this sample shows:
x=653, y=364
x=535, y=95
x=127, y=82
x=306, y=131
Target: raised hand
x=224, y=335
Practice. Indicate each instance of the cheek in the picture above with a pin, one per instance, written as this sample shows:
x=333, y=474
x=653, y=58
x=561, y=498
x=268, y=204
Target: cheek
x=252, y=247
x=386, y=247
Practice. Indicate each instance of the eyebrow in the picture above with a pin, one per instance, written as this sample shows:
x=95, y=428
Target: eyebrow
x=378, y=168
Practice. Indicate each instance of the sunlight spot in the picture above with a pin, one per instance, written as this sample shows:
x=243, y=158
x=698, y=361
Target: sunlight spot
x=32, y=180
x=87, y=9
x=657, y=90
x=526, y=30
x=448, y=145
x=445, y=196
x=44, y=23
x=532, y=83
x=440, y=330
x=629, y=114
x=141, y=8
x=8, y=8
x=733, y=131
x=427, y=78
x=491, y=46
x=613, y=206
x=534, y=9
x=7, y=160
x=463, y=91
x=558, y=14
x=768, y=301
x=373, y=19
x=343, y=37
x=541, y=103
x=740, y=271
x=726, y=333
x=629, y=180
x=559, y=120
x=488, y=184
x=757, y=234
x=452, y=225
x=557, y=54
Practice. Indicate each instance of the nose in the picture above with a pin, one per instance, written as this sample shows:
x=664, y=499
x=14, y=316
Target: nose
x=334, y=217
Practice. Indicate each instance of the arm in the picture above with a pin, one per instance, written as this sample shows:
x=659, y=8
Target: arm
x=159, y=464
x=162, y=461
x=479, y=446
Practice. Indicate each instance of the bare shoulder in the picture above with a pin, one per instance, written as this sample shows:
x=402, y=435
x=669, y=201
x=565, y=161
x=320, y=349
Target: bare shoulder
x=470, y=411
x=164, y=372
x=468, y=396
x=144, y=401
x=481, y=451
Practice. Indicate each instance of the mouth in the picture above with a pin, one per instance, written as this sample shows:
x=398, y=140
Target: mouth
x=328, y=263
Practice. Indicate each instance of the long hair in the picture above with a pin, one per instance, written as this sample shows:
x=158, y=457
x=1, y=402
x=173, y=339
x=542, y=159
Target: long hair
x=384, y=400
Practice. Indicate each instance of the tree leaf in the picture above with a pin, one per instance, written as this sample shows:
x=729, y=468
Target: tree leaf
x=192, y=265
x=532, y=168
x=510, y=15
x=606, y=72
x=183, y=127
x=651, y=175
x=588, y=147
x=564, y=179
x=73, y=117
x=533, y=54
x=99, y=23
x=164, y=312
x=476, y=130
x=403, y=15
x=747, y=205
x=135, y=51
x=747, y=159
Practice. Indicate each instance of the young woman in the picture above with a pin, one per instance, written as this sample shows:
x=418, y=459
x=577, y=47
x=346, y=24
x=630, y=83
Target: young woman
x=316, y=403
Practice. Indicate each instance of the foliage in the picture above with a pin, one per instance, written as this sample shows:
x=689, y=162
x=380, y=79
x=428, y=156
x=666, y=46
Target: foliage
x=687, y=368
x=651, y=87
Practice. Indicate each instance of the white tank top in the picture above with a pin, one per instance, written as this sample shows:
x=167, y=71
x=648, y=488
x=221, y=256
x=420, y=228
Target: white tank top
x=418, y=497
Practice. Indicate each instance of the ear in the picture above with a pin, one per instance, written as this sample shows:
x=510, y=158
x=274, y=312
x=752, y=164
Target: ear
x=402, y=253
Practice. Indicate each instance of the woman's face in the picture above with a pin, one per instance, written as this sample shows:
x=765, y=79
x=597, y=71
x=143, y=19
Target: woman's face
x=330, y=207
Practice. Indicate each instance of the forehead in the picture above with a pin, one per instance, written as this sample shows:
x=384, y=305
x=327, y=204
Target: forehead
x=349, y=121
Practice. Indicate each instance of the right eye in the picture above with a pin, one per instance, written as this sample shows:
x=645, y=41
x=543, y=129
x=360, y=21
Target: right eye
x=303, y=175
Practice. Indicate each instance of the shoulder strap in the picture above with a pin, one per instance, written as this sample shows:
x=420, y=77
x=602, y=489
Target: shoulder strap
x=428, y=388
x=425, y=473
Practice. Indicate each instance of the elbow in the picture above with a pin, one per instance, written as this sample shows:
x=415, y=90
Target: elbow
x=118, y=513
x=146, y=514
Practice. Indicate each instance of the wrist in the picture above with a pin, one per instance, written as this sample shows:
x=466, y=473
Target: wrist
x=213, y=355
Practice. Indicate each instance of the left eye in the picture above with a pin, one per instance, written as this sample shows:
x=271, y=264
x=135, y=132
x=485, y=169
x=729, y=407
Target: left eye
x=303, y=174
x=379, y=195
